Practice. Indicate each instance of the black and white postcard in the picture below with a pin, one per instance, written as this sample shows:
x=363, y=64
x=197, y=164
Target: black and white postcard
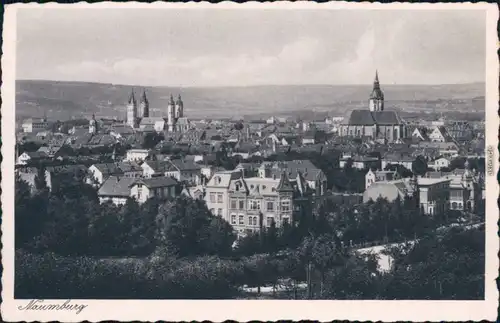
x=257, y=161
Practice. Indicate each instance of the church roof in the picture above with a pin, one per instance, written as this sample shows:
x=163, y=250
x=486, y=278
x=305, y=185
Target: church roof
x=368, y=118
x=387, y=117
x=360, y=117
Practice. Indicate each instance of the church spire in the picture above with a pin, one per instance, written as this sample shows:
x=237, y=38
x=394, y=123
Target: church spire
x=377, y=96
x=131, y=99
x=144, y=105
x=144, y=99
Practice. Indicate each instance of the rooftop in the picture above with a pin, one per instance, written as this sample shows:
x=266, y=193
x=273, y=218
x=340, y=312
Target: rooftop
x=431, y=181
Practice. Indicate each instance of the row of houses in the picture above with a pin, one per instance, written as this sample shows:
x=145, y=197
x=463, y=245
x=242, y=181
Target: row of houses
x=437, y=191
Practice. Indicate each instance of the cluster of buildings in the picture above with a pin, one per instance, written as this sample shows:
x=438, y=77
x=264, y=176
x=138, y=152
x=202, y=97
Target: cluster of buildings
x=257, y=194
x=460, y=189
x=138, y=116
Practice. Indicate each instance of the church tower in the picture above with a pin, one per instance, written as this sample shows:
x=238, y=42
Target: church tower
x=132, y=110
x=179, y=107
x=144, y=106
x=171, y=114
x=93, y=125
x=377, y=96
x=468, y=182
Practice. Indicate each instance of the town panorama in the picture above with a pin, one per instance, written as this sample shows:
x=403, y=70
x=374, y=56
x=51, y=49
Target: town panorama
x=263, y=192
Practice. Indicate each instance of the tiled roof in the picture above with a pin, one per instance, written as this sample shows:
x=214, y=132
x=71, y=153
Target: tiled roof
x=156, y=182
x=151, y=120
x=284, y=184
x=387, y=118
x=360, y=117
x=36, y=154
x=129, y=166
x=158, y=165
x=109, y=168
x=184, y=165
x=367, y=118
x=116, y=186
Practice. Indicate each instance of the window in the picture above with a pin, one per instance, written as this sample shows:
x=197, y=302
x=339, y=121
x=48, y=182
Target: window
x=241, y=220
x=285, y=205
x=212, y=197
x=242, y=204
x=139, y=191
x=233, y=218
x=219, y=212
x=254, y=220
x=219, y=197
x=270, y=206
x=270, y=220
x=254, y=205
x=233, y=204
x=250, y=220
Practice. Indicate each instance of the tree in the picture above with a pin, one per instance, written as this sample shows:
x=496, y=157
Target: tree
x=189, y=227
x=40, y=183
x=419, y=166
x=238, y=125
x=448, y=266
x=65, y=230
x=400, y=169
x=151, y=139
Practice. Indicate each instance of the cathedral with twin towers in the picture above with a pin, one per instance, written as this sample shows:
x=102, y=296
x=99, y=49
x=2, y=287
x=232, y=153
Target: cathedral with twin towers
x=138, y=115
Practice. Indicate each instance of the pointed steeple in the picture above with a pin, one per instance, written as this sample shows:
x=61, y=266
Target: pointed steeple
x=144, y=99
x=284, y=184
x=171, y=99
x=131, y=99
x=377, y=96
x=179, y=99
x=376, y=86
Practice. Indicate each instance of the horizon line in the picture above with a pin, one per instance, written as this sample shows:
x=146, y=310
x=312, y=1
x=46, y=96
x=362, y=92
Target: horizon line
x=251, y=85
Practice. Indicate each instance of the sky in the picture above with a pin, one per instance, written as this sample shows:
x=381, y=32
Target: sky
x=230, y=47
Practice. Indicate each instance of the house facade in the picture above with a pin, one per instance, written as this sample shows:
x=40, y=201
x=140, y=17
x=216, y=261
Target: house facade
x=137, y=155
x=161, y=187
x=250, y=204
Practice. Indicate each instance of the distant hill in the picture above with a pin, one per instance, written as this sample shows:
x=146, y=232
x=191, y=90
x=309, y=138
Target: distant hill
x=63, y=100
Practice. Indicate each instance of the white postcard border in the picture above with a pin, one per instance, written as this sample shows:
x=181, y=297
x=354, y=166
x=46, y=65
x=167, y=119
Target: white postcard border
x=246, y=310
